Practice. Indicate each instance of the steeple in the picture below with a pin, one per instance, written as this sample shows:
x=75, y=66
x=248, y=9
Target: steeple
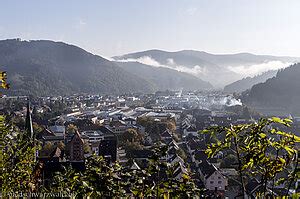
x=28, y=122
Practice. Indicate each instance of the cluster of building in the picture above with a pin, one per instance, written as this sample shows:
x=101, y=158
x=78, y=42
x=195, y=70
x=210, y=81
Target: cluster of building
x=94, y=124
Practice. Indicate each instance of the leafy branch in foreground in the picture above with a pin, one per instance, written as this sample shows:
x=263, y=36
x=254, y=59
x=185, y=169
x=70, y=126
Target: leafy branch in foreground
x=22, y=173
x=262, y=150
x=3, y=78
x=97, y=180
x=100, y=179
x=19, y=171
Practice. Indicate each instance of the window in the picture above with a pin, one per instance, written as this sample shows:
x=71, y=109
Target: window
x=211, y=182
x=219, y=182
x=219, y=177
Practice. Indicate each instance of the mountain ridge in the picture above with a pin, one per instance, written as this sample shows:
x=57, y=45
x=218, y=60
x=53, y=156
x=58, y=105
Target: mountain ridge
x=279, y=92
x=227, y=67
x=246, y=83
x=45, y=67
x=165, y=78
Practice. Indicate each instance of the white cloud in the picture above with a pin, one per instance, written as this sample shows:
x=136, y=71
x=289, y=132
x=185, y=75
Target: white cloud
x=170, y=61
x=80, y=24
x=255, y=69
x=143, y=60
x=202, y=71
x=196, y=70
x=171, y=64
x=191, y=11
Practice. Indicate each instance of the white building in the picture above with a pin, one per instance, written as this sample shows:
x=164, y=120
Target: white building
x=212, y=178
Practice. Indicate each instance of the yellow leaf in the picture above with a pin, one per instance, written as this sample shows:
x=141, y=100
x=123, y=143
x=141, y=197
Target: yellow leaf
x=166, y=195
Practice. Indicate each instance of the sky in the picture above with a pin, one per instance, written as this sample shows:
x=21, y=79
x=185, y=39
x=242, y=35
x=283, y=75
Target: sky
x=116, y=27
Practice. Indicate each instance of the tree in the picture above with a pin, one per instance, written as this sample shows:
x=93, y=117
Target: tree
x=165, y=184
x=155, y=128
x=47, y=149
x=3, y=78
x=132, y=135
x=132, y=147
x=61, y=145
x=71, y=129
x=103, y=180
x=229, y=161
x=98, y=180
x=37, y=128
x=19, y=170
x=86, y=148
x=262, y=150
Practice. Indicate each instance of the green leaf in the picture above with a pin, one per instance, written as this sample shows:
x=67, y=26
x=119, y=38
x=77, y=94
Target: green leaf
x=262, y=135
x=296, y=138
x=276, y=119
x=134, y=192
x=288, y=120
x=166, y=195
x=289, y=150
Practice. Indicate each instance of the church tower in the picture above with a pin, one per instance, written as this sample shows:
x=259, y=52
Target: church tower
x=28, y=122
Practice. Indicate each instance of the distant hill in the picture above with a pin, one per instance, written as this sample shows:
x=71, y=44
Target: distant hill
x=55, y=68
x=248, y=82
x=219, y=70
x=165, y=78
x=45, y=68
x=281, y=92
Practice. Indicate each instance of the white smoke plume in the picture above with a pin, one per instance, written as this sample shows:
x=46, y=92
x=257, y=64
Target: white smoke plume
x=227, y=101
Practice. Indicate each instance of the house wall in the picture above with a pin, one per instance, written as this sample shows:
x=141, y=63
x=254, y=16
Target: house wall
x=186, y=133
x=216, y=180
x=76, y=149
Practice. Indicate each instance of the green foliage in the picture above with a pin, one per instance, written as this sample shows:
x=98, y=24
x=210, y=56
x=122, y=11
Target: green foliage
x=131, y=147
x=19, y=170
x=3, y=83
x=132, y=135
x=39, y=69
x=155, y=128
x=71, y=128
x=47, y=149
x=158, y=179
x=246, y=83
x=86, y=148
x=131, y=140
x=282, y=92
x=98, y=180
x=37, y=128
x=262, y=150
x=229, y=161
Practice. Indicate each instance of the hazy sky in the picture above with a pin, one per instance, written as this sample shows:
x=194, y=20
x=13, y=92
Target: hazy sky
x=114, y=27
